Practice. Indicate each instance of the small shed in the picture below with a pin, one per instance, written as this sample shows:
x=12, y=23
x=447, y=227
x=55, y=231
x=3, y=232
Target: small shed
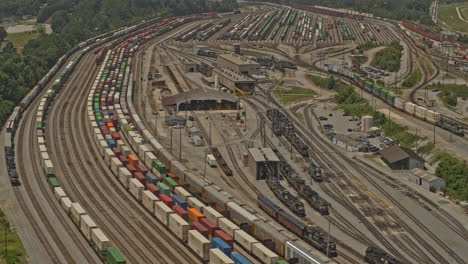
x=428, y=181
x=399, y=158
x=263, y=162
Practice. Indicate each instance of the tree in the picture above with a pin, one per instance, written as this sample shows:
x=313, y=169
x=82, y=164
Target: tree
x=3, y=34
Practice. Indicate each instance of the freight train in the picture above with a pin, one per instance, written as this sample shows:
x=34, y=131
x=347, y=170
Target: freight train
x=310, y=234
x=378, y=256
x=417, y=111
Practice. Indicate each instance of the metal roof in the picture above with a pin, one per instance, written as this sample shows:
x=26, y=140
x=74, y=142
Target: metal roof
x=238, y=60
x=263, y=154
x=396, y=153
x=198, y=94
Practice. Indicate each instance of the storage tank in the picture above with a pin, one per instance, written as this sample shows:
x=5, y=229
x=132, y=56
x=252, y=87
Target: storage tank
x=366, y=123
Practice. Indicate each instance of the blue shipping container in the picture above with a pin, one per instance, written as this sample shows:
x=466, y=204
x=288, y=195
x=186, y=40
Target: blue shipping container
x=150, y=178
x=101, y=123
x=179, y=201
x=239, y=259
x=219, y=243
x=111, y=143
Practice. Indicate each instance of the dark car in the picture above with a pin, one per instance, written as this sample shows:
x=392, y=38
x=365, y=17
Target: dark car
x=345, y=114
x=350, y=130
x=327, y=126
x=323, y=118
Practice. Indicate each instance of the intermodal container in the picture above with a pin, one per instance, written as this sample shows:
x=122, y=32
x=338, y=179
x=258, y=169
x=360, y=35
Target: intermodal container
x=164, y=189
x=113, y=256
x=209, y=225
x=133, y=160
x=117, y=151
x=162, y=212
x=179, y=226
x=111, y=143
x=151, y=179
x=225, y=237
x=86, y=226
x=202, y=229
x=180, y=191
x=212, y=214
x=131, y=169
x=66, y=203
x=159, y=166
x=195, y=203
x=142, y=169
x=180, y=211
x=244, y=239
x=180, y=202
x=263, y=253
x=199, y=244
x=167, y=200
x=99, y=242
x=152, y=188
x=53, y=182
x=140, y=177
x=194, y=214
x=217, y=256
x=239, y=259
x=76, y=212
x=221, y=245
x=228, y=226
x=124, y=176
x=170, y=182
x=136, y=188
x=123, y=159
x=59, y=193
x=148, y=199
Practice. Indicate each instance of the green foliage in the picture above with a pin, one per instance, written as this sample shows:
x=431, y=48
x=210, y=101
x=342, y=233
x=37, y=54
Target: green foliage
x=346, y=95
x=413, y=79
x=455, y=173
x=389, y=58
x=292, y=94
x=16, y=251
x=426, y=148
x=3, y=34
x=319, y=81
x=365, y=47
x=450, y=92
x=10, y=8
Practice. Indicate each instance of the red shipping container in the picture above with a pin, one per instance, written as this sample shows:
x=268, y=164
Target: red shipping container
x=104, y=130
x=201, y=228
x=142, y=169
x=123, y=159
x=180, y=211
x=225, y=237
x=132, y=169
x=209, y=225
x=117, y=152
x=115, y=120
x=115, y=136
x=153, y=188
x=166, y=199
x=140, y=177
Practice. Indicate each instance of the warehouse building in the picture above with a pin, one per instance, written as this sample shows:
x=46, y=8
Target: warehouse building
x=399, y=158
x=235, y=82
x=426, y=180
x=200, y=100
x=238, y=64
x=261, y=158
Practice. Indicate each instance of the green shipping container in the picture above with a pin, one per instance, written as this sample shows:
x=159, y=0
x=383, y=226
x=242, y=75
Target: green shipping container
x=114, y=257
x=38, y=125
x=96, y=106
x=164, y=189
x=127, y=128
x=53, y=182
x=170, y=182
x=159, y=166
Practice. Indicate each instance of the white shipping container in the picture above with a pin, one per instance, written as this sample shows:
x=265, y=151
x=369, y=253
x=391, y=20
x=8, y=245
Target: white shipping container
x=102, y=147
x=421, y=112
x=108, y=155
x=263, y=253
x=125, y=150
x=227, y=226
x=124, y=176
x=199, y=244
x=42, y=148
x=410, y=108
x=244, y=239
x=100, y=240
x=120, y=143
x=59, y=193
x=195, y=203
x=76, y=212
x=49, y=167
x=179, y=226
x=149, y=157
x=142, y=150
x=66, y=203
x=162, y=212
x=86, y=225
x=399, y=103
x=180, y=191
x=218, y=257
x=44, y=156
x=40, y=140
x=115, y=165
x=136, y=188
x=148, y=199
x=211, y=214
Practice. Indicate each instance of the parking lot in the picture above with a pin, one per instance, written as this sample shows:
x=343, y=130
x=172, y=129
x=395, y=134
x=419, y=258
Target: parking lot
x=337, y=123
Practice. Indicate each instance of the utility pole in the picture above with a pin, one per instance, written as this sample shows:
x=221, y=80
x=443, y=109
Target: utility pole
x=328, y=237
x=6, y=238
x=180, y=143
x=210, y=135
x=433, y=125
x=171, y=140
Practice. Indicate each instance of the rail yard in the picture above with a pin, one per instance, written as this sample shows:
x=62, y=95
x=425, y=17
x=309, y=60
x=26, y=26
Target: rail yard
x=167, y=142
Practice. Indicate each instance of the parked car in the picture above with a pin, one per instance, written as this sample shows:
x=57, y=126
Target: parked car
x=323, y=118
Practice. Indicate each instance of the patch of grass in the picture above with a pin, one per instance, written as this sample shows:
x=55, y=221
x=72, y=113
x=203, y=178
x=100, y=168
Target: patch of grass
x=413, y=79
x=389, y=59
x=426, y=148
x=455, y=173
x=448, y=14
x=16, y=251
x=19, y=40
x=365, y=47
x=291, y=94
x=450, y=92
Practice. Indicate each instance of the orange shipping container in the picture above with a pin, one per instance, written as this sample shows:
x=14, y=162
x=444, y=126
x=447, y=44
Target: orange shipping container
x=132, y=160
x=194, y=214
x=110, y=124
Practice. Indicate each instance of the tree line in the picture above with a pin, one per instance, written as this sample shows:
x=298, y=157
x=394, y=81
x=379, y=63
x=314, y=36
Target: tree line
x=72, y=22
